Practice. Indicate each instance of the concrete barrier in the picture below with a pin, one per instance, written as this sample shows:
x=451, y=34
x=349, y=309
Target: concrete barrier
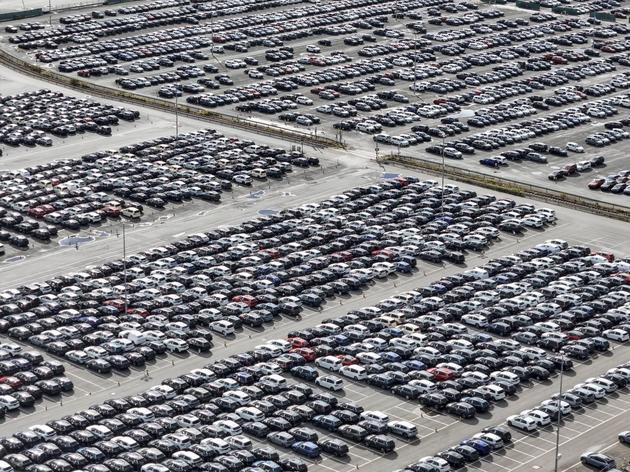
x=184, y=109
x=514, y=187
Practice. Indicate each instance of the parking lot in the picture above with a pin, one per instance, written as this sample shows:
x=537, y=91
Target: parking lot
x=273, y=307
x=554, y=86
x=448, y=427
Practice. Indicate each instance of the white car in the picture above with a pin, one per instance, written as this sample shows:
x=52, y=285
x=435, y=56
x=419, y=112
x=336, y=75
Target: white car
x=574, y=147
x=355, y=372
x=540, y=417
x=222, y=327
x=80, y=357
x=583, y=166
x=618, y=335
x=597, y=391
x=524, y=423
x=436, y=463
x=330, y=382
x=176, y=345
x=565, y=408
x=608, y=385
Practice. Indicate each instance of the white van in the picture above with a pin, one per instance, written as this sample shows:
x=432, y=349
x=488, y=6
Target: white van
x=330, y=382
x=131, y=212
x=331, y=363
x=259, y=173
x=354, y=372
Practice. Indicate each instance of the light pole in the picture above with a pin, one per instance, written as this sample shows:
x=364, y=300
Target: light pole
x=124, y=265
x=555, y=468
x=443, y=172
x=177, y=111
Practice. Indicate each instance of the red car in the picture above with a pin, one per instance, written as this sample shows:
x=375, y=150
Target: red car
x=595, y=184
x=248, y=300
x=347, y=359
x=307, y=353
x=298, y=342
x=441, y=373
x=610, y=257
x=14, y=382
x=117, y=303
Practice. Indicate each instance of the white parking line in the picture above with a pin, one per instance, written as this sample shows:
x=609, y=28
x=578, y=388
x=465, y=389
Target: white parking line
x=495, y=464
x=599, y=424
x=521, y=452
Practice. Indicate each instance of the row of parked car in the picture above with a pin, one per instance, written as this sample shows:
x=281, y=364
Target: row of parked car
x=30, y=118
x=614, y=183
x=25, y=377
x=196, y=420
x=247, y=274
x=495, y=439
x=74, y=193
x=433, y=345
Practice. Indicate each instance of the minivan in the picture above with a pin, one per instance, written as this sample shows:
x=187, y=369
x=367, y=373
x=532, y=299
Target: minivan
x=404, y=429
x=330, y=382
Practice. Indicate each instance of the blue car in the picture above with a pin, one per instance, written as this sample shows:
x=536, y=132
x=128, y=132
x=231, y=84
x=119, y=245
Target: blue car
x=394, y=332
x=389, y=356
x=404, y=267
x=482, y=447
x=306, y=448
x=415, y=365
x=489, y=162
x=305, y=372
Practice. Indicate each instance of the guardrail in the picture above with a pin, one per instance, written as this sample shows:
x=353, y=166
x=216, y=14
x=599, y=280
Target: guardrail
x=514, y=187
x=189, y=111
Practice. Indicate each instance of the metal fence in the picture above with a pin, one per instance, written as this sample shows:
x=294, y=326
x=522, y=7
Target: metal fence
x=295, y=136
x=517, y=188
x=20, y=15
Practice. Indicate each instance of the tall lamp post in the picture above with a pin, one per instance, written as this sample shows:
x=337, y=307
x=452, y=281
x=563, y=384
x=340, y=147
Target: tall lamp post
x=555, y=468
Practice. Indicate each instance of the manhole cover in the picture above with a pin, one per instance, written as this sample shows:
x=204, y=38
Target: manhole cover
x=76, y=240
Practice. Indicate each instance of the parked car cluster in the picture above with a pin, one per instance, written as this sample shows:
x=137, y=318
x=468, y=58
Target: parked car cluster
x=192, y=422
x=494, y=439
x=219, y=280
x=29, y=118
x=74, y=193
x=213, y=418
x=429, y=345
x=25, y=377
